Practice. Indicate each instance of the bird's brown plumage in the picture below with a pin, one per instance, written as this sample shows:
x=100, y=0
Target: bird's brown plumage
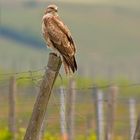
x=58, y=37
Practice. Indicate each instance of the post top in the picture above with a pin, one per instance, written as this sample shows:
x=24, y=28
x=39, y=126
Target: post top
x=54, y=62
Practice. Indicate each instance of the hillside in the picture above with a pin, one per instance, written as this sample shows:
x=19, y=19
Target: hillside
x=18, y=57
x=123, y=3
x=107, y=35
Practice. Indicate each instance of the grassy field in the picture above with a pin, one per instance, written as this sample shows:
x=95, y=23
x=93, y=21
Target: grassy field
x=19, y=57
x=84, y=110
x=107, y=35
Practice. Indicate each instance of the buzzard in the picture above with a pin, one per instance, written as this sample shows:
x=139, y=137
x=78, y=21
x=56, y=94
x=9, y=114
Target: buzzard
x=58, y=38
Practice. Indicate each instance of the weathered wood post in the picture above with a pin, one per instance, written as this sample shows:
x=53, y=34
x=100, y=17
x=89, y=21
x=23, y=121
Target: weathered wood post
x=98, y=102
x=137, y=130
x=111, y=107
x=40, y=107
x=132, y=112
x=63, y=113
x=71, y=97
x=12, y=106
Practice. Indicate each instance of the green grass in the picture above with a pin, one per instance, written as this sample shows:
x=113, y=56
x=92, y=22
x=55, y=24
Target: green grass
x=18, y=57
x=112, y=2
x=106, y=35
x=84, y=106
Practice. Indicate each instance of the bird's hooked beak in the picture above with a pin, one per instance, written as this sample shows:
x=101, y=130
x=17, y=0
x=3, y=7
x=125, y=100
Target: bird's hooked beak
x=51, y=8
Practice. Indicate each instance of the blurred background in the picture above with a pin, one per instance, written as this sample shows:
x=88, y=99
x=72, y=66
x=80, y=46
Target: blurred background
x=107, y=35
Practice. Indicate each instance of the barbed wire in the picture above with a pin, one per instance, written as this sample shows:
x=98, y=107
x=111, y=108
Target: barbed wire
x=54, y=105
x=35, y=77
x=105, y=87
x=23, y=72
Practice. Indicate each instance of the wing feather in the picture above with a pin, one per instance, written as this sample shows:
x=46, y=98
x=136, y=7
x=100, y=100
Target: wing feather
x=58, y=30
x=64, y=28
x=61, y=39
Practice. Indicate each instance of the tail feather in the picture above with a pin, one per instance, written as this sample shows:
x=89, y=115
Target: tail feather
x=66, y=67
x=75, y=64
x=69, y=61
x=69, y=64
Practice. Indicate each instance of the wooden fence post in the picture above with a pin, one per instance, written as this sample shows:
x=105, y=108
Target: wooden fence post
x=12, y=106
x=137, y=130
x=71, y=96
x=111, y=106
x=42, y=129
x=98, y=101
x=62, y=113
x=132, y=112
x=40, y=107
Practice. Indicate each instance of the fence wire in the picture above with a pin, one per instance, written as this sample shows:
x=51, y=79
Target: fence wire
x=85, y=116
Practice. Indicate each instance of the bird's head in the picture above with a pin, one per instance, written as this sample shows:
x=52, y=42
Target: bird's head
x=51, y=9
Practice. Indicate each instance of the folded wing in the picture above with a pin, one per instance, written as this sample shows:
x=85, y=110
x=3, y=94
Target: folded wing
x=61, y=39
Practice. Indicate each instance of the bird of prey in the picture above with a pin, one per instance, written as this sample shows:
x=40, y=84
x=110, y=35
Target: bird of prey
x=58, y=38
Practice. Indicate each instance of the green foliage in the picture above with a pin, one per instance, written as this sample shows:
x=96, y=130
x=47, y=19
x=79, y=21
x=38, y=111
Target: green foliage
x=92, y=136
x=5, y=135
x=81, y=82
x=28, y=79
x=23, y=79
x=3, y=78
x=21, y=133
x=49, y=136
